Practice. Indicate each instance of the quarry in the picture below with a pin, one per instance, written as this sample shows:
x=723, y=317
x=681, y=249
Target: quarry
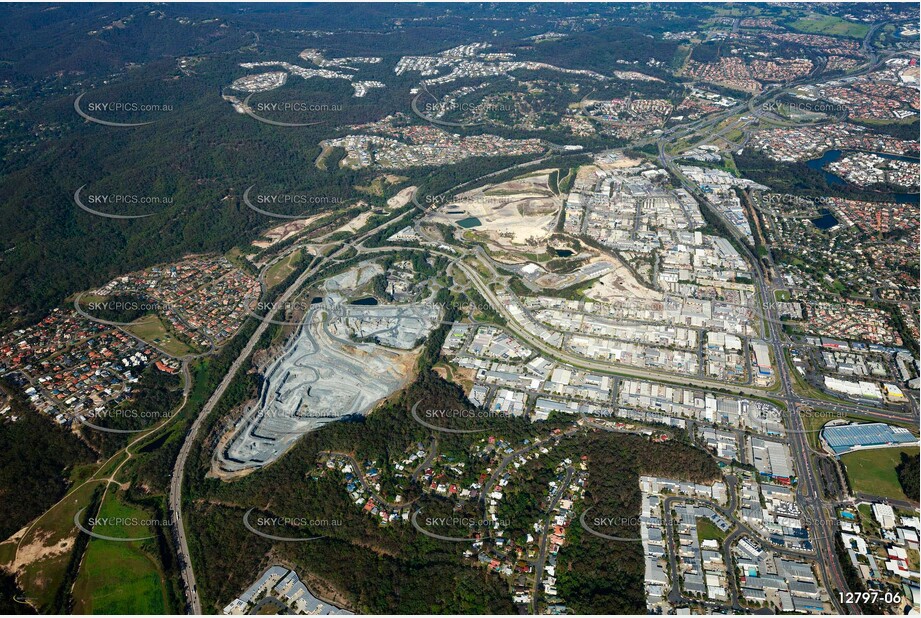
x=342, y=360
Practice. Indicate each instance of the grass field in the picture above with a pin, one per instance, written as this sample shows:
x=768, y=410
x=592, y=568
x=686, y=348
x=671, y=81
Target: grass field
x=873, y=471
x=151, y=328
x=733, y=135
x=80, y=473
x=115, y=577
x=830, y=25
x=867, y=522
x=706, y=529
x=281, y=269
x=7, y=552
x=782, y=295
x=49, y=545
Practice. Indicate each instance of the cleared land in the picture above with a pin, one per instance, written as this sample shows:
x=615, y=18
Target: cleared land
x=706, y=529
x=44, y=551
x=281, y=269
x=509, y=216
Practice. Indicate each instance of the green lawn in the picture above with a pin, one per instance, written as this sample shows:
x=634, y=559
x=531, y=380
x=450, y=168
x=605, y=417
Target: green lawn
x=706, y=529
x=873, y=471
x=120, y=577
x=281, y=269
x=830, y=25
x=152, y=329
x=51, y=540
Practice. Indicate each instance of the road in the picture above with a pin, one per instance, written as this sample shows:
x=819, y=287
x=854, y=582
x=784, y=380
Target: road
x=176, y=481
x=808, y=486
x=520, y=331
x=356, y=468
x=542, y=553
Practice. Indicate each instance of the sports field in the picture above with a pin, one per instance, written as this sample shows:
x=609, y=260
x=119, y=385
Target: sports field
x=873, y=471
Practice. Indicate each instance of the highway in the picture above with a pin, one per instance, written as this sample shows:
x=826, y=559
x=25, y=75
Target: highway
x=176, y=481
x=808, y=487
x=175, y=491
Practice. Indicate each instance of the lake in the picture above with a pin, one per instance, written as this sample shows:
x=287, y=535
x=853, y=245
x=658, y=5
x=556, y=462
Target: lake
x=834, y=180
x=470, y=222
x=826, y=221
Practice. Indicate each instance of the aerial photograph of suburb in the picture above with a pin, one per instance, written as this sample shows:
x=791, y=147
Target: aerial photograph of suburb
x=453, y=308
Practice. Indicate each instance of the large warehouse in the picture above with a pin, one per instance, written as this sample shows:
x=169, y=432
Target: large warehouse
x=843, y=438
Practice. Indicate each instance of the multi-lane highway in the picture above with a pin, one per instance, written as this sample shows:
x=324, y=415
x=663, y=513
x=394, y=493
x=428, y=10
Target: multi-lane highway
x=808, y=488
x=176, y=482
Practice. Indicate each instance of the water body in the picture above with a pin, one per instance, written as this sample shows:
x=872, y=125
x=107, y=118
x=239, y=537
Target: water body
x=470, y=222
x=826, y=221
x=830, y=156
x=564, y=252
x=369, y=301
x=819, y=164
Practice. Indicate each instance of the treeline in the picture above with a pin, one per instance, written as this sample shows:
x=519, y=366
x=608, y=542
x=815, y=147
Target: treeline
x=600, y=576
x=907, y=471
x=153, y=399
x=36, y=458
